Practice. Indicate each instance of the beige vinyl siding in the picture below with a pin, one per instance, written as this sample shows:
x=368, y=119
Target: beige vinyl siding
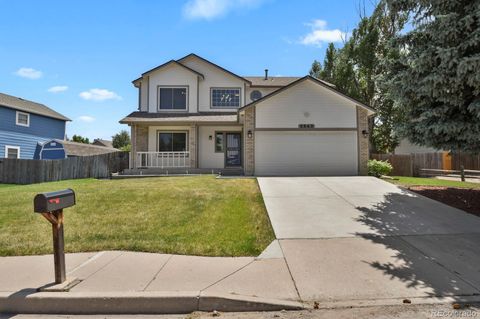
x=144, y=94
x=173, y=75
x=264, y=91
x=207, y=156
x=306, y=153
x=306, y=103
x=214, y=78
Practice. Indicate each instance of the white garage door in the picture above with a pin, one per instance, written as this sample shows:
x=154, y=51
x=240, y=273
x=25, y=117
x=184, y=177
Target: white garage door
x=306, y=153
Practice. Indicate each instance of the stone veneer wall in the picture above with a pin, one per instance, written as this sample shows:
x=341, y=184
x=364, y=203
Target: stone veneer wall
x=363, y=146
x=192, y=145
x=249, y=125
x=141, y=138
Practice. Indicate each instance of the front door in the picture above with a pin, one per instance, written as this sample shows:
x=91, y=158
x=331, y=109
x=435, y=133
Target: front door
x=233, y=152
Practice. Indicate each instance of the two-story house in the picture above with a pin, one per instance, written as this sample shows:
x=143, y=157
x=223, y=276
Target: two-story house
x=193, y=114
x=24, y=124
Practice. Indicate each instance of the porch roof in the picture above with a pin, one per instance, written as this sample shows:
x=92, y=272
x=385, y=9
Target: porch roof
x=146, y=117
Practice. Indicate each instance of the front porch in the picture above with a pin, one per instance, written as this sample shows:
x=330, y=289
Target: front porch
x=186, y=149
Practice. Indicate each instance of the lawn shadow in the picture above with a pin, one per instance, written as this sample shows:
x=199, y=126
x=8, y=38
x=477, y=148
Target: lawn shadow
x=407, y=224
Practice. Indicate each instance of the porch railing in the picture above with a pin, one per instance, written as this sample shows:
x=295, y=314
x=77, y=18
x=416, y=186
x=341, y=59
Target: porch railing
x=162, y=159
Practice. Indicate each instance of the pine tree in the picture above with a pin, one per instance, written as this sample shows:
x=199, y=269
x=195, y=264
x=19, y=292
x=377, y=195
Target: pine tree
x=433, y=73
x=329, y=63
x=316, y=69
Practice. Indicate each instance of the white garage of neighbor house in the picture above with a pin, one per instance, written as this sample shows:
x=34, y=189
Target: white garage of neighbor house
x=195, y=115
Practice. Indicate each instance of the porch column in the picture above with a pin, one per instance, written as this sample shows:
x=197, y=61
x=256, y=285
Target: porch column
x=139, y=142
x=141, y=134
x=363, y=153
x=133, y=149
x=192, y=145
x=249, y=125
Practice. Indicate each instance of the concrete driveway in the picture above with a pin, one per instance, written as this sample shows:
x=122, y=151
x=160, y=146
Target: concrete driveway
x=360, y=238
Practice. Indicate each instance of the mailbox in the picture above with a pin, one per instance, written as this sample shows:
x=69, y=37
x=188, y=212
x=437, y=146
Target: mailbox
x=50, y=202
x=51, y=206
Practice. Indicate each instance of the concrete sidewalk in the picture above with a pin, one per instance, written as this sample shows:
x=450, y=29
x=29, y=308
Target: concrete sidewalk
x=129, y=282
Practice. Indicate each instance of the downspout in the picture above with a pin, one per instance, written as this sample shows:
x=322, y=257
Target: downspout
x=197, y=148
x=133, y=153
x=198, y=93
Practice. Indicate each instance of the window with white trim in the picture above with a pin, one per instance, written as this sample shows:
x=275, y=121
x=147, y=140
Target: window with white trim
x=172, y=141
x=23, y=119
x=12, y=151
x=172, y=98
x=225, y=97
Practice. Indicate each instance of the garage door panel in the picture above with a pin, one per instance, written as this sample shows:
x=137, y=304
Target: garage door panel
x=306, y=153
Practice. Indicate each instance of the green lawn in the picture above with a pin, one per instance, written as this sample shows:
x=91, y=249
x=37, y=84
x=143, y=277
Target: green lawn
x=421, y=181
x=197, y=215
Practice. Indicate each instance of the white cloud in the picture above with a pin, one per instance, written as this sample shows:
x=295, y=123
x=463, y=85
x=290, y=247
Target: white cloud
x=211, y=9
x=319, y=34
x=86, y=118
x=29, y=73
x=99, y=95
x=58, y=89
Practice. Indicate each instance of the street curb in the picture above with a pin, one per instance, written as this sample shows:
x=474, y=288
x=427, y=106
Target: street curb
x=171, y=302
x=427, y=300
x=239, y=303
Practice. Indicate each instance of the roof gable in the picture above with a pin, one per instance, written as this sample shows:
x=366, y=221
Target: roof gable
x=314, y=80
x=171, y=62
x=193, y=55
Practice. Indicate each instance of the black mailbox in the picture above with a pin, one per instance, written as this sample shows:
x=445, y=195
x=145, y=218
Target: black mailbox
x=49, y=202
x=51, y=206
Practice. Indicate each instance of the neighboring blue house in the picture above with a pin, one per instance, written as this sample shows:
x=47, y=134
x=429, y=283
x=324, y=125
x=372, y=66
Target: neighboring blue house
x=24, y=124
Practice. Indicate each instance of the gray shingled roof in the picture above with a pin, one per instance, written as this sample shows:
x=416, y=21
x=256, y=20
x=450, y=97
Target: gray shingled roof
x=180, y=117
x=311, y=78
x=276, y=81
x=29, y=106
x=81, y=149
x=104, y=143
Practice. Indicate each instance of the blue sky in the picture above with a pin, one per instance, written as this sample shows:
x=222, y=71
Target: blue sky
x=79, y=57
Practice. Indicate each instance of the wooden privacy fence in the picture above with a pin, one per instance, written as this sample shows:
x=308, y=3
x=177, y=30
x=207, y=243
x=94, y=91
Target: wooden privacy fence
x=411, y=164
x=24, y=171
x=468, y=161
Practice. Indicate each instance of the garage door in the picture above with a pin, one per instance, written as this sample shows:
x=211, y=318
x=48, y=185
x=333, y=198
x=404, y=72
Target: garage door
x=306, y=153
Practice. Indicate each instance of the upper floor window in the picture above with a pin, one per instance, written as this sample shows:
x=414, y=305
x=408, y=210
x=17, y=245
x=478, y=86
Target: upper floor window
x=225, y=97
x=23, y=119
x=172, y=98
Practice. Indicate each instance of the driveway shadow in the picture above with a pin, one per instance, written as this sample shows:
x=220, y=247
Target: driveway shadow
x=434, y=246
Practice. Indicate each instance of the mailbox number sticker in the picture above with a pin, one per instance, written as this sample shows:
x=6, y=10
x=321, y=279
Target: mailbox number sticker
x=54, y=201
